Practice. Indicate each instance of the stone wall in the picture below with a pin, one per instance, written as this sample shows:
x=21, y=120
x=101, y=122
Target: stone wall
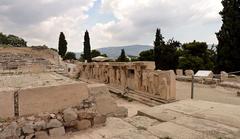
x=24, y=60
x=139, y=76
x=54, y=111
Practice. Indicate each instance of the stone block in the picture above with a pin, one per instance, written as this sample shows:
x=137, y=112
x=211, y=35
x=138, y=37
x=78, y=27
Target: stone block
x=224, y=76
x=86, y=114
x=54, y=123
x=99, y=119
x=179, y=72
x=69, y=115
x=105, y=104
x=55, y=98
x=121, y=112
x=6, y=105
x=41, y=135
x=28, y=128
x=55, y=132
x=40, y=125
x=83, y=124
x=189, y=73
x=175, y=131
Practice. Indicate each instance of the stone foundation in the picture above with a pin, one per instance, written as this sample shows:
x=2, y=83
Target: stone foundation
x=139, y=76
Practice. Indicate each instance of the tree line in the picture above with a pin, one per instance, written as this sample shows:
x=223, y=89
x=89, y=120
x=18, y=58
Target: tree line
x=12, y=41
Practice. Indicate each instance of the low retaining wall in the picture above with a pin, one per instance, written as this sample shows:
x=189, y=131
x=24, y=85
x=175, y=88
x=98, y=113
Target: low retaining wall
x=139, y=76
x=53, y=98
x=42, y=99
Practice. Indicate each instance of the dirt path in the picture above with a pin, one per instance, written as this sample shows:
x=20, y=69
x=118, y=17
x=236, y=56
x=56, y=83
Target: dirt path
x=208, y=93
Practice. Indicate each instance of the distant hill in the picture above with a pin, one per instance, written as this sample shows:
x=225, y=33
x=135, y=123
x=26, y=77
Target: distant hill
x=115, y=51
x=132, y=50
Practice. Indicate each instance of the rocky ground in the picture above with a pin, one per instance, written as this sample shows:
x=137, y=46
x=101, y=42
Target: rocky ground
x=181, y=120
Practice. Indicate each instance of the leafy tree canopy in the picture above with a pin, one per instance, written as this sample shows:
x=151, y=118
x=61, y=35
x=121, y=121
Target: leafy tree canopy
x=12, y=40
x=70, y=56
x=196, y=55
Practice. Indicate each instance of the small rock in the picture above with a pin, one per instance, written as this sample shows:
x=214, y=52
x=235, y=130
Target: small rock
x=31, y=118
x=59, y=117
x=83, y=124
x=69, y=115
x=19, y=131
x=71, y=124
x=52, y=116
x=54, y=123
x=99, y=119
x=28, y=128
x=31, y=136
x=9, y=132
x=57, y=131
x=44, y=116
x=40, y=125
x=41, y=135
x=86, y=114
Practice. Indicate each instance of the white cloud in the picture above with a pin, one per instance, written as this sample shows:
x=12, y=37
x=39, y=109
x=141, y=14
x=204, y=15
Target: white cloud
x=40, y=22
x=136, y=20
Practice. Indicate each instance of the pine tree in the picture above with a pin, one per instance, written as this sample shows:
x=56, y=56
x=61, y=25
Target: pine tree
x=62, y=45
x=158, y=46
x=122, y=57
x=228, y=49
x=87, y=47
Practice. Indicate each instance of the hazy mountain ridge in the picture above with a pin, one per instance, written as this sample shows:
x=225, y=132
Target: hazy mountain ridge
x=132, y=50
x=115, y=51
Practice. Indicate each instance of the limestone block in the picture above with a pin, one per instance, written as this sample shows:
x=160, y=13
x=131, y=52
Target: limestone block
x=105, y=104
x=41, y=135
x=179, y=72
x=224, y=75
x=55, y=98
x=83, y=124
x=60, y=131
x=6, y=105
x=69, y=115
x=99, y=119
x=189, y=72
x=54, y=123
x=28, y=128
x=40, y=125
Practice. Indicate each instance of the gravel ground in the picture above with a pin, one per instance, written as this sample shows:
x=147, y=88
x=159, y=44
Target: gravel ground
x=208, y=93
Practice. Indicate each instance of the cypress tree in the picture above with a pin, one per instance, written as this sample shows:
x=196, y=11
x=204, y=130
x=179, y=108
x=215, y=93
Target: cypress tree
x=158, y=47
x=228, y=49
x=122, y=57
x=87, y=47
x=62, y=45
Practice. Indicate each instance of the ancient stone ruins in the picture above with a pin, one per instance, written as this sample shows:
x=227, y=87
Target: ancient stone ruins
x=43, y=97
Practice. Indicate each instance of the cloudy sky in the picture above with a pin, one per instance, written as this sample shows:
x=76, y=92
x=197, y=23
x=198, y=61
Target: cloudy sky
x=110, y=22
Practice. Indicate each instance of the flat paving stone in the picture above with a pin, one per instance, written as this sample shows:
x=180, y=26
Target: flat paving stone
x=208, y=127
x=174, y=131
